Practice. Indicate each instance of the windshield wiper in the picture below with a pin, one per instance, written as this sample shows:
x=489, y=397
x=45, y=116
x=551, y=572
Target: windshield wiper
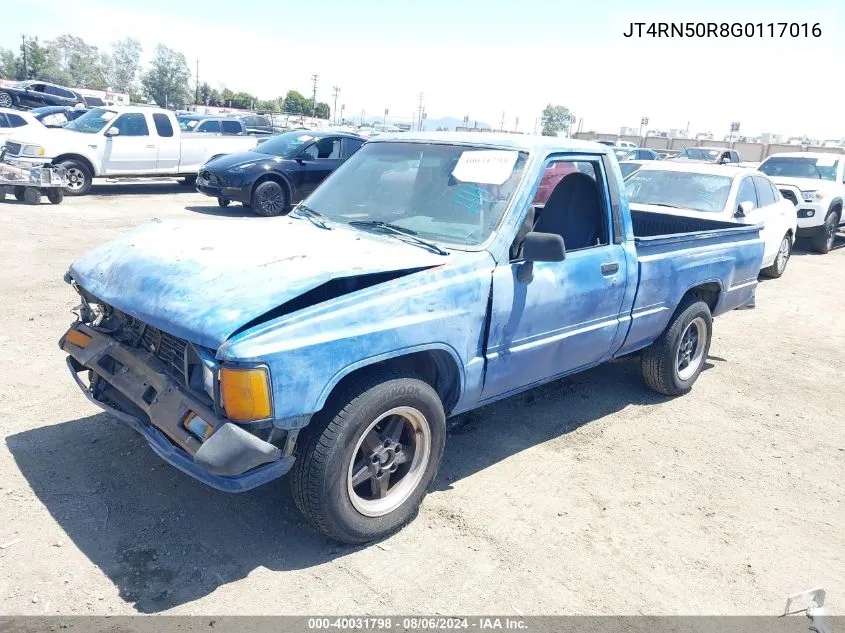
x=315, y=217
x=399, y=231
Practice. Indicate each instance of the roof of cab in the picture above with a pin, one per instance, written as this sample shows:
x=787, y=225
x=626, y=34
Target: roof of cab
x=695, y=167
x=523, y=142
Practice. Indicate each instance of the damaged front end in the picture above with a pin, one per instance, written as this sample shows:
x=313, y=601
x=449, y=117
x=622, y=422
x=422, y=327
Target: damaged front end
x=210, y=421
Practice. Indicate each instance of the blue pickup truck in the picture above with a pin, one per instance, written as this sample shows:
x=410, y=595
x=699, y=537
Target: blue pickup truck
x=421, y=280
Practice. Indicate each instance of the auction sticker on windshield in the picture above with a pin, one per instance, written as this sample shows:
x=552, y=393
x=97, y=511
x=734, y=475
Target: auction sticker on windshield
x=486, y=167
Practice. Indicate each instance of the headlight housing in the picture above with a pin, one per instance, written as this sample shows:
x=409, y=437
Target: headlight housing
x=811, y=196
x=32, y=150
x=245, y=393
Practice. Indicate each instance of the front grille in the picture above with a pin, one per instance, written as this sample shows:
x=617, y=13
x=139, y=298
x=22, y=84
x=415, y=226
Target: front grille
x=786, y=193
x=169, y=349
x=13, y=149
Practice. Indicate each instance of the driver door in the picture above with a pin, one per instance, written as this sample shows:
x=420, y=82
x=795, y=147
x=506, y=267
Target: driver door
x=318, y=160
x=133, y=150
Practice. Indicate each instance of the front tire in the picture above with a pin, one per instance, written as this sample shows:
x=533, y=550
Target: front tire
x=822, y=241
x=365, y=462
x=223, y=202
x=6, y=99
x=31, y=195
x=269, y=199
x=79, y=177
x=778, y=266
x=672, y=363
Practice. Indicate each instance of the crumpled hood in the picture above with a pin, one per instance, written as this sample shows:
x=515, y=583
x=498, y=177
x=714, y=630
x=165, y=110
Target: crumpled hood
x=202, y=280
x=826, y=187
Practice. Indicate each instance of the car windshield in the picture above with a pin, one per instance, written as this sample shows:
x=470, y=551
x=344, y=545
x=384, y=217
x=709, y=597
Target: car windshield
x=187, y=124
x=800, y=167
x=92, y=121
x=679, y=189
x=285, y=145
x=448, y=193
x=696, y=153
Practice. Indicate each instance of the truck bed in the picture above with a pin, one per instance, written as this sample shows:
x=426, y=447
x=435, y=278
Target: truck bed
x=676, y=254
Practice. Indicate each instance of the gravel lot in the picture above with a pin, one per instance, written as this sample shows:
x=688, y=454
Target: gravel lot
x=590, y=495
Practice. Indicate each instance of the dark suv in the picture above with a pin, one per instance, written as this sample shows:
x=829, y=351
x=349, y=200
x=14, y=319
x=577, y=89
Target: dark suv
x=36, y=94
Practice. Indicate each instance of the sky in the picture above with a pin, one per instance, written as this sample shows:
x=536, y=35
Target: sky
x=491, y=59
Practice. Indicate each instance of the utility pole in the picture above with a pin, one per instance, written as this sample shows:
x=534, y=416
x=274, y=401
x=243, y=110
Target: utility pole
x=421, y=112
x=535, y=126
x=502, y=124
x=23, y=49
x=335, y=92
x=197, y=92
x=643, y=122
x=516, y=125
x=314, y=95
x=384, y=121
x=342, y=108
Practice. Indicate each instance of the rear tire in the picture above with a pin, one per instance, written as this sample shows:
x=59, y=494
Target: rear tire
x=269, y=199
x=348, y=442
x=31, y=195
x=672, y=363
x=778, y=266
x=822, y=241
x=79, y=177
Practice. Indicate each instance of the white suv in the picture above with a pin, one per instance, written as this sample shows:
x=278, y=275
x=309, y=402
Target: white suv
x=815, y=183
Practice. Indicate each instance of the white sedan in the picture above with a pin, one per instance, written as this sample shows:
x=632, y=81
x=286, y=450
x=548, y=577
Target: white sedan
x=719, y=192
x=14, y=121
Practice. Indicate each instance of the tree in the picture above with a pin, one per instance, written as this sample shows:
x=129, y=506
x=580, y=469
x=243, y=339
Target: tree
x=295, y=103
x=36, y=60
x=124, y=65
x=205, y=93
x=322, y=110
x=556, y=119
x=242, y=100
x=73, y=62
x=8, y=63
x=166, y=82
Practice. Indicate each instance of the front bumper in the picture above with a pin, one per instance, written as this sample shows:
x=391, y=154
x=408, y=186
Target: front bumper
x=138, y=391
x=811, y=215
x=224, y=189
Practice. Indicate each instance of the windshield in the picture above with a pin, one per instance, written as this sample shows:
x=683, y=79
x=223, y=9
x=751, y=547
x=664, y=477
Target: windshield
x=680, y=189
x=447, y=193
x=628, y=168
x=800, y=167
x=285, y=145
x=186, y=124
x=696, y=153
x=92, y=121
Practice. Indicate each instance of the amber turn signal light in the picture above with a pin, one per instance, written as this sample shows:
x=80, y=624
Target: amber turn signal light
x=245, y=393
x=80, y=339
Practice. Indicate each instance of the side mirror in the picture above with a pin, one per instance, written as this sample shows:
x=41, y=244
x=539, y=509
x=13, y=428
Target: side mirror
x=112, y=131
x=540, y=247
x=745, y=207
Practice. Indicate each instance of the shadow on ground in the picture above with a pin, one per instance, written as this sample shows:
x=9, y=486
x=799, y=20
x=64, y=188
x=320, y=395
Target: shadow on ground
x=165, y=540
x=127, y=187
x=232, y=211
x=802, y=247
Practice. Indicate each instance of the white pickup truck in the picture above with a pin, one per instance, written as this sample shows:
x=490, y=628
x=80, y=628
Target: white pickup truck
x=121, y=141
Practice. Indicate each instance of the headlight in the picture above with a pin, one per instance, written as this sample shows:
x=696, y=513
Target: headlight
x=811, y=196
x=245, y=393
x=33, y=150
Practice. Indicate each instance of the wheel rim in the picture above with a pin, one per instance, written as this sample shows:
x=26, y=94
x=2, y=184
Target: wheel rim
x=75, y=179
x=271, y=199
x=691, y=349
x=389, y=461
x=5, y=100
x=831, y=232
x=783, y=255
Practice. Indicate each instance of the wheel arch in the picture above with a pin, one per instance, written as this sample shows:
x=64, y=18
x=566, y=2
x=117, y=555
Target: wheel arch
x=276, y=177
x=77, y=157
x=438, y=364
x=709, y=292
x=836, y=205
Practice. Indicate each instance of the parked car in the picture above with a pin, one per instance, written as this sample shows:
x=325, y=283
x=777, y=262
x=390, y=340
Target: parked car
x=121, y=141
x=619, y=144
x=35, y=94
x=727, y=194
x=257, y=124
x=629, y=167
x=667, y=153
x=15, y=122
x=211, y=124
x=815, y=183
x=57, y=116
x=278, y=172
x=642, y=153
x=716, y=155
x=337, y=340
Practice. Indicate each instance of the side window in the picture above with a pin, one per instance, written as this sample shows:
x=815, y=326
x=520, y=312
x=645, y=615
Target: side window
x=16, y=120
x=54, y=120
x=764, y=191
x=746, y=192
x=249, y=121
x=163, y=126
x=311, y=152
x=209, y=126
x=231, y=127
x=260, y=120
x=350, y=146
x=3, y=122
x=328, y=148
x=37, y=87
x=572, y=202
x=775, y=193
x=132, y=124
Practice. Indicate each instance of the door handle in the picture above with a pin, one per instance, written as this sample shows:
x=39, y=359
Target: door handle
x=609, y=269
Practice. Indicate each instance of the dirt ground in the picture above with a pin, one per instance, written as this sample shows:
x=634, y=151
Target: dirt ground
x=590, y=495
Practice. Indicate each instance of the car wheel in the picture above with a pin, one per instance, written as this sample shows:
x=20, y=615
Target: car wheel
x=6, y=100
x=20, y=194
x=32, y=195
x=365, y=462
x=269, y=199
x=79, y=177
x=781, y=259
x=222, y=202
x=55, y=195
x=673, y=362
x=823, y=240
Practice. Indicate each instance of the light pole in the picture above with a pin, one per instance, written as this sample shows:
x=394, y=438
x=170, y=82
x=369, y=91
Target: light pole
x=643, y=122
x=734, y=128
x=336, y=92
